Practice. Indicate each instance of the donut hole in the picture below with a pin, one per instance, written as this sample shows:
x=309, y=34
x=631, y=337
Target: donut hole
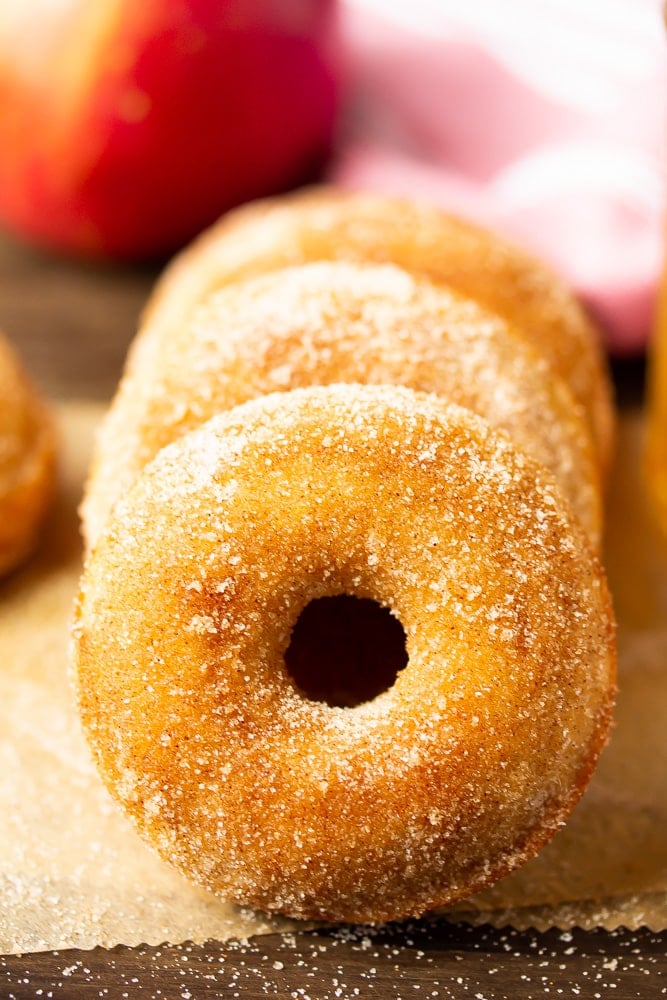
x=345, y=650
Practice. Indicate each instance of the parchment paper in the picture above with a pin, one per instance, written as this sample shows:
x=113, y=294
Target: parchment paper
x=74, y=874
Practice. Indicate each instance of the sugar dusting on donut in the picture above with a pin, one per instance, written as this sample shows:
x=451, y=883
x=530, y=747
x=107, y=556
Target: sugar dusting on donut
x=448, y=779
x=27, y=460
x=341, y=322
x=325, y=224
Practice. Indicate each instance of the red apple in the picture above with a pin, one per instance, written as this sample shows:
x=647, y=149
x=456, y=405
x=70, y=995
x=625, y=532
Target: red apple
x=126, y=126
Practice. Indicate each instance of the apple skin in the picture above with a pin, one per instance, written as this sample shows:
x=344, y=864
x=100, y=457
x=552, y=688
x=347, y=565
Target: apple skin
x=142, y=121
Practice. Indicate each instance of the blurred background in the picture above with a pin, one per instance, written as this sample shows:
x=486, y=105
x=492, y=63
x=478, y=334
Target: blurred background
x=543, y=118
x=127, y=128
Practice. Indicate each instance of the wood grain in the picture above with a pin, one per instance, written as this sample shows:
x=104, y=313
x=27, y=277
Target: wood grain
x=398, y=962
x=71, y=321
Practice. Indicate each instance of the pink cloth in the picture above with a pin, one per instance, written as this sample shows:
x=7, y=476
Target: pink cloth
x=546, y=123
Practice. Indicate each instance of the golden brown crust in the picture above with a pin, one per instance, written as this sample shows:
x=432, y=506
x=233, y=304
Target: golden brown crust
x=27, y=460
x=340, y=322
x=325, y=224
x=453, y=776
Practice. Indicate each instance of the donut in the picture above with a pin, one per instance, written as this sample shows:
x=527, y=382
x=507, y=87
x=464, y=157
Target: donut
x=27, y=460
x=326, y=224
x=342, y=322
x=410, y=797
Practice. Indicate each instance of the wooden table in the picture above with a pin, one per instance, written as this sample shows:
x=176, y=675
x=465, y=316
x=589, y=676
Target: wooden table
x=72, y=323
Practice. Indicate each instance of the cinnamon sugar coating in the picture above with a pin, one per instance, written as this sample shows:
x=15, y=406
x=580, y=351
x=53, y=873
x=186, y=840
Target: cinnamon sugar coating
x=341, y=322
x=326, y=224
x=27, y=460
x=439, y=785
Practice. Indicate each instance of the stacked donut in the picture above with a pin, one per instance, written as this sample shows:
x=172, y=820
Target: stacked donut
x=344, y=410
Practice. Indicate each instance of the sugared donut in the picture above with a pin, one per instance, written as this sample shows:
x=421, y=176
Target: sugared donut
x=27, y=460
x=325, y=224
x=341, y=322
x=438, y=785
